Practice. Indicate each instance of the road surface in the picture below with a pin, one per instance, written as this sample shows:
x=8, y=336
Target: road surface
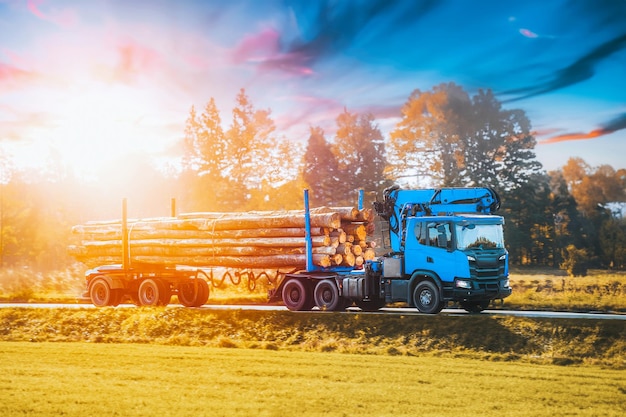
x=352, y=310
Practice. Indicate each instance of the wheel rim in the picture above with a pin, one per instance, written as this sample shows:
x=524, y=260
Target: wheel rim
x=426, y=297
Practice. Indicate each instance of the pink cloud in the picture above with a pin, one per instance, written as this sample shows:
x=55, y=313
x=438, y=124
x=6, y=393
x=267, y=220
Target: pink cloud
x=528, y=33
x=134, y=61
x=64, y=18
x=263, y=50
x=10, y=73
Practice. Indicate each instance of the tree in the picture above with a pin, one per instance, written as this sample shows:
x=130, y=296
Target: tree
x=425, y=142
x=455, y=140
x=529, y=230
x=568, y=226
x=320, y=169
x=360, y=152
x=204, y=146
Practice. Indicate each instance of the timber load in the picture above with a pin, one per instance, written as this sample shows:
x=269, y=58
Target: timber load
x=250, y=240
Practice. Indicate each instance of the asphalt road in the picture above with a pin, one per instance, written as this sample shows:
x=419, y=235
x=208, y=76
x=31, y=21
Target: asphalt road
x=403, y=311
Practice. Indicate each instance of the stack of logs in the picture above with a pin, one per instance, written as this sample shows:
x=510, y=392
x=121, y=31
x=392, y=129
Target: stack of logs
x=251, y=240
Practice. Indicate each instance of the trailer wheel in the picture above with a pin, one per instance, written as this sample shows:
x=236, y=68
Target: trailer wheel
x=326, y=295
x=151, y=292
x=193, y=292
x=426, y=298
x=296, y=296
x=100, y=292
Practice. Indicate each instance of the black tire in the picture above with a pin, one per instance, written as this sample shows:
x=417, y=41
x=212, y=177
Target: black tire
x=100, y=292
x=426, y=298
x=193, y=292
x=165, y=295
x=150, y=292
x=370, y=305
x=296, y=295
x=326, y=295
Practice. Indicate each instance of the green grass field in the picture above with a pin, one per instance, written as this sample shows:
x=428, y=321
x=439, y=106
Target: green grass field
x=82, y=379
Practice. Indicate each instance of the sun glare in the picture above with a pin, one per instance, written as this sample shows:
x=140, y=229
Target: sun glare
x=92, y=127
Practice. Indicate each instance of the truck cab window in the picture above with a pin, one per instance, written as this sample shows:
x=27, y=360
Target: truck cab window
x=440, y=235
x=420, y=233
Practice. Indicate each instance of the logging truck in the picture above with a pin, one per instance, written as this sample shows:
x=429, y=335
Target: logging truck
x=446, y=245
x=442, y=246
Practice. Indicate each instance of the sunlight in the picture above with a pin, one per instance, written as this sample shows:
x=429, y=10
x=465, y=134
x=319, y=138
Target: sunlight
x=91, y=125
x=98, y=127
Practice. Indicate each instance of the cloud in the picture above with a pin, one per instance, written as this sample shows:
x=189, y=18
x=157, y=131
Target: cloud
x=579, y=71
x=263, y=50
x=612, y=126
x=64, y=18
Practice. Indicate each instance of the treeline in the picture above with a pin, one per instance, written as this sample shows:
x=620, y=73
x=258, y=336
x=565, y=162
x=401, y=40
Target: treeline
x=567, y=218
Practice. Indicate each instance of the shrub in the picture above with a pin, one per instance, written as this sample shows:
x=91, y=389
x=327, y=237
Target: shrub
x=575, y=262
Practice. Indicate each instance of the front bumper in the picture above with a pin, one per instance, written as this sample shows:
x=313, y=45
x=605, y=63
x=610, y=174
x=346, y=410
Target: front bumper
x=479, y=290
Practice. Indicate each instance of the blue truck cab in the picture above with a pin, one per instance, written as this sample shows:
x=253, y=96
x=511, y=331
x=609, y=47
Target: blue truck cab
x=443, y=246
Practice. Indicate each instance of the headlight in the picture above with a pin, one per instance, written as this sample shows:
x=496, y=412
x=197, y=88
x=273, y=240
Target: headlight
x=506, y=284
x=463, y=284
x=471, y=258
x=502, y=258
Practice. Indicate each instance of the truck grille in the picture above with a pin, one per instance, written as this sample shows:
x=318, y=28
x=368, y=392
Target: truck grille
x=487, y=267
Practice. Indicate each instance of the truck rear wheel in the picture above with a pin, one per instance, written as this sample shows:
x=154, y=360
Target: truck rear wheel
x=100, y=293
x=152, y=292
x=193, y=292
x=326, y=295
x=296, y=295
x=426, y=298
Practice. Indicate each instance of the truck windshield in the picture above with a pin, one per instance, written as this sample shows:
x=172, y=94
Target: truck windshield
x=479, y=236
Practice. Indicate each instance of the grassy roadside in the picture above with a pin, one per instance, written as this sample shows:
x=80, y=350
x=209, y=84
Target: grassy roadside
x=505, y=339
x=533, y=289
x=79, y=379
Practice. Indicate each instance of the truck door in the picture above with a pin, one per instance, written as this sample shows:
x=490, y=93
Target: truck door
x=429, y=246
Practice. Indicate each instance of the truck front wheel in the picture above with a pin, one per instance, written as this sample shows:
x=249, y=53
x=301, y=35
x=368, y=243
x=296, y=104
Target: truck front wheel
x=296, y=296
x=326, y=295
x=427, y=298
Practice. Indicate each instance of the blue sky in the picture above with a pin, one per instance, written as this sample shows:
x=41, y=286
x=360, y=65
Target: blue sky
x=88, y=81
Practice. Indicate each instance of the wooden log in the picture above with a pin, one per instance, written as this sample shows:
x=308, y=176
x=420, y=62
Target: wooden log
x=242, y=262
x=246, y=262
x=366, y=215
x=339, y=234
x=346, y=213
x=185, y=243
x=336, y=259
x=356, y=229
x=359, y=261
x=348, y=259
x=154, y=233
x=344, y=248
x=357, y=250
x=369, y=254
